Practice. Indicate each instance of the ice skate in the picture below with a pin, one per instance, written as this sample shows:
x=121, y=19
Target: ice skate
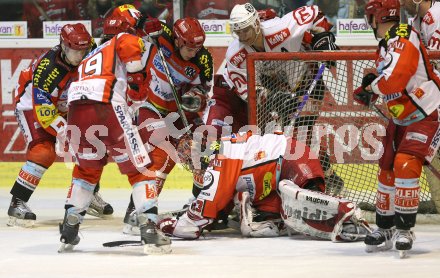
x=154, y=241
x=69, y=233
x=355, y=230
x=404, y=242
x=131, y=224
x=379, y=240
x=99, y=208
x=20, y=214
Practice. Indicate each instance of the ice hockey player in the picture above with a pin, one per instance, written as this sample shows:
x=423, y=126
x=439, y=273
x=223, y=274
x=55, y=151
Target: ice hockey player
x=102, y=93
x=191, y=67
x=407, y=83
x=426, y=20
x=40, y=100
x=305, y=28
x=273, y=167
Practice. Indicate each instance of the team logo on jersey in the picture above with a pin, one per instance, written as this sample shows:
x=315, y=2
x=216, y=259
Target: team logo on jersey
x=276, y=39
x=396, y=110
x=304, y=15
x=428, y=19
x=237, y=59
x=419, y=93
x=208, y=180
x=259, y=155
x=190, y=72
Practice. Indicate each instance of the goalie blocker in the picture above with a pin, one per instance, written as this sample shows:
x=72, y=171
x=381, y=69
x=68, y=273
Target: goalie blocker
x=270, y=187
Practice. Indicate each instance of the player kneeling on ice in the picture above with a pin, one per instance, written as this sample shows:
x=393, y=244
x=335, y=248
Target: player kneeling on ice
x=280, y=178
x=410, y=88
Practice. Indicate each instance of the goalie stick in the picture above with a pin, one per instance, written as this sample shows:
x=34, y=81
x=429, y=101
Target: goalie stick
x=312, y=86
x=382, y=115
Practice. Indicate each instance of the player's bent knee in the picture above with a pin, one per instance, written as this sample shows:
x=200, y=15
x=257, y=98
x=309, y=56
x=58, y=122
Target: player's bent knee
x=407, y=166
x=42, y=153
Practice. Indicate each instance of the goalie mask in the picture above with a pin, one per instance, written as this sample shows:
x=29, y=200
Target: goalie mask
x=75, y=43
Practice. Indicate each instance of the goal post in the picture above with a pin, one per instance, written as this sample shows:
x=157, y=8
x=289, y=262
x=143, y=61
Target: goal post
x=344, y=134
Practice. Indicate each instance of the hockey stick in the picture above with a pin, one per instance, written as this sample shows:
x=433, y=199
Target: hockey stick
x=383, y=116
x=172, y=85
x=306, y=96
x=124, y=243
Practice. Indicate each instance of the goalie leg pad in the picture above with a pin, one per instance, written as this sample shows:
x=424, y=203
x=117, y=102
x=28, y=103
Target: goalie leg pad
x=313, y=213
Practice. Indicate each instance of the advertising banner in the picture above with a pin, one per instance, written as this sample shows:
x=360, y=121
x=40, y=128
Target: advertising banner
x=13, y=29
x=52, y=29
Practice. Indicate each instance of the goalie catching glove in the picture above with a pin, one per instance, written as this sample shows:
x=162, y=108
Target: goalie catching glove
x=194, y=100
x=137, y=86
x=365, y=96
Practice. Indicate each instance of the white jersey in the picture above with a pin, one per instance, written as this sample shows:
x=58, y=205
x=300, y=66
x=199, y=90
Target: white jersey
x=429, y=27
x=284, y=34
x=407, y=81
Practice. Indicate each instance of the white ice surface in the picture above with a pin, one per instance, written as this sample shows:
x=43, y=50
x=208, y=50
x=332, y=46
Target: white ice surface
x=33, y=252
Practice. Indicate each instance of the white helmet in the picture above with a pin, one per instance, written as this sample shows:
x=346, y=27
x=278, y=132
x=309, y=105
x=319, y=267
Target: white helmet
x=243, y=16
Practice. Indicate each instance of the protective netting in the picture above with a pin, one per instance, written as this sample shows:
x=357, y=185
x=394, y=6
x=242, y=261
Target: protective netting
x=346, y=135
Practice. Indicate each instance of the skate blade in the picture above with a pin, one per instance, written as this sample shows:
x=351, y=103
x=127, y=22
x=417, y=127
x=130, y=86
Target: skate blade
x=65, y=247
x=131, y=230
x=95, y=213
x=15, y=222
x=153, y=249
x=377, y=248
x=403, y=254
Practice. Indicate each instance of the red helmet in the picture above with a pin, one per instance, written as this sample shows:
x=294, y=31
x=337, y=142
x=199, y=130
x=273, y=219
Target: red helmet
x=382, y=10
x=117, y=24
x=189, y=32
x=124, y=18
x=75, y=36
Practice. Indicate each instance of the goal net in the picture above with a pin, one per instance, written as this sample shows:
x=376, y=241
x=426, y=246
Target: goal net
x=346, y=135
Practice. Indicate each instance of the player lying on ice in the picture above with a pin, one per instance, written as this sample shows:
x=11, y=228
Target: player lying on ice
x=280, y=178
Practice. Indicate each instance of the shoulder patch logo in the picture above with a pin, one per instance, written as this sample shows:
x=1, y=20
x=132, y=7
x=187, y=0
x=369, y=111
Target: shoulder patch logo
x=428, y=19
x=304, y=15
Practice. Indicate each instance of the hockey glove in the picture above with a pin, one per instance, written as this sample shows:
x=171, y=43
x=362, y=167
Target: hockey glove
x=194, y=100
x=153, y=27
x=364, y=96
x=138, y=86
x=325, y=41
x=266, y=14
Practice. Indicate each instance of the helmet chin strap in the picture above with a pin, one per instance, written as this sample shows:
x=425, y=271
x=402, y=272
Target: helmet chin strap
x=256, y=35
x=417, y=5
